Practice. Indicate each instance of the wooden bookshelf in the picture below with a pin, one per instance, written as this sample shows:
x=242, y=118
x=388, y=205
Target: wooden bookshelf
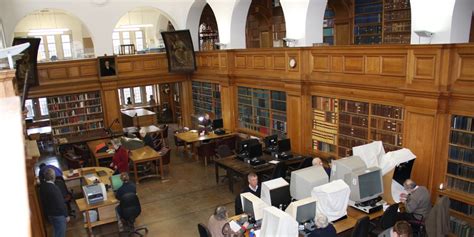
x=207, y=98
x=262, y=111
x=339, y=125
x=368, y=21
x=76, y=115
x=460, y=175
x=396, y=22
x=328, y=26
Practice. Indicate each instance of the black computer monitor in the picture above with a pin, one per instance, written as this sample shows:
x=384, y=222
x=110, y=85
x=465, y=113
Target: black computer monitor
x=217, y=123
x=271, y=141
x=284, y=145
x=244, y=145
x=306, y=212
x=280, y=196
x=255, y=150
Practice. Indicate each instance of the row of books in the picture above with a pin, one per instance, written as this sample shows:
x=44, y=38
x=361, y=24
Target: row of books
x=462, y=123
x=354, y=107
x=462, y=207
x=361, y=121
x=464, y=139
x=367, y=19
x=460, y=228
x=278, y=95
x=324, y=147
x=279, y=116
x=387, y=124
x=202, y=98
x=398, y=15
x=367, y=9
x=279, y=105
x=387, y=111
x=460, y=185
x=262, y=103
x=77, y=129
x=350, y=142
x=67, y=120
x=357, y=2
x=391, y=139
x=328, y=23
x=396, y=4
x=376, y=39
x=344, y=152
x=325, y=116
x=370, y=29
x=461, y=154
x=397, y=39
x=325, y=103
x=458, y=169
x=72, y=98
x=396, y=27
x=352, y=131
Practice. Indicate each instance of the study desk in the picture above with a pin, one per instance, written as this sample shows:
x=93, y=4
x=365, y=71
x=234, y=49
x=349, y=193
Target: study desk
x=234, y=166
x=138, y=117
x=147, y=129
x=105, y=209
x=99, y=155
x=192, y=137
x=146, y=154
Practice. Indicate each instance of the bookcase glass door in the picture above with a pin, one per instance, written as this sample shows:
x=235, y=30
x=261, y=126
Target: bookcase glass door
x=262, y=111
x=340, y=124
x=207, y=98
x=460, y=175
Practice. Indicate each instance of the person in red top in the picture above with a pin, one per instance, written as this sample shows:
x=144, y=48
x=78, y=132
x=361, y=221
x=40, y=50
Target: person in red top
x=120, y=159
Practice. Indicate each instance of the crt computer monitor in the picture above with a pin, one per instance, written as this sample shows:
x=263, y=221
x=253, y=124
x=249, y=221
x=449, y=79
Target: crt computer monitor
x=365, y=184
x=271, y=141
x=217, y=123
x=346, y=165
x=276, y=192
x=244, y=145
x=333, y=199
x=284, y=145
x=255, y=150
x=304, y=180
x=252, y=205
x=303, y=210
x=278, y=223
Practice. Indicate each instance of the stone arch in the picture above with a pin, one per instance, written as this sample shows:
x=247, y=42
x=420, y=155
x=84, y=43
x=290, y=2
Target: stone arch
x=192, y=21
x=208, y=29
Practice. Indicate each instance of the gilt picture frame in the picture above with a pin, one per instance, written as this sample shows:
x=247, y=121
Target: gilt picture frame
x=180, y=51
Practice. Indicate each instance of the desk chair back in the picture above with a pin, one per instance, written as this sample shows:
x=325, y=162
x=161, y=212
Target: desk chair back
x=206, y=150
x=203, y=230
x=130, y=207
x=307, y=162
x=178, y=142
x=361, y=229
x=164, y=130
x=223, y=151
x=389, y=217
x=280, y=170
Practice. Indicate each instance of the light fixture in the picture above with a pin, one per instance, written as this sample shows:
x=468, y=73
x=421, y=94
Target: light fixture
x=52, y=31
x=201, y=119
x=424, y=33
x=126, y=29
x=136, y=26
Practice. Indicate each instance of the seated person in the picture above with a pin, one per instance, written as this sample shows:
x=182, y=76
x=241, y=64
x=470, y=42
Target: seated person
x=417, y=201
x=43, y=167
x=152, y=101
x=318, y=162
x=402, y=229
x=217, y=221
x=120, y=159
x=205, y=121
x=253, y=188
x=323, y=227
x=127, y=187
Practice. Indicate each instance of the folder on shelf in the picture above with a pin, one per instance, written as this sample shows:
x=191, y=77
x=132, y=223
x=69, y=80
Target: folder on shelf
x=102, y=147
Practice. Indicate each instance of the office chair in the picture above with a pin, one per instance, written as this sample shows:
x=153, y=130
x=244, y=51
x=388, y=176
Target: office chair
x=306, y=162
x=361, y=229
x=278, y=172
x=129, y=210
x=387, y=220
x=223, y=151
x=203, y=230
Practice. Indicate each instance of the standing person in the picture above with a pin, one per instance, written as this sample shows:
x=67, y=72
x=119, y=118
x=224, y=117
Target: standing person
x=253, y=188
x=43, y=167
x=120, y=159
x=152, y=100
x=417, y=201
x=129, y=101
x=323, y=227
x=53, y=204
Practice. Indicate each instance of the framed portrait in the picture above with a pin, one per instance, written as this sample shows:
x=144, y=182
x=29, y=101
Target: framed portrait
x=107, y=67
x=180, y=51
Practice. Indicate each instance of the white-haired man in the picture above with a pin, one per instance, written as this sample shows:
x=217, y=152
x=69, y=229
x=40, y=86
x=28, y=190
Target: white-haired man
x=417, y=201
x=323, y=227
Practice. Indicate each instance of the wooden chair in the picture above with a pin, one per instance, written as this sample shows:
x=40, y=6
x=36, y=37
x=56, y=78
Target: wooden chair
x=178, y=142
x=164, y=133
x=206, y=150
x=166, y=158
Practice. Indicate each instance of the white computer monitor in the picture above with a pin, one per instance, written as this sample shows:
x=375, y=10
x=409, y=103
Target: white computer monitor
x=278, y=223
x=275, y=192
x=302, y=210
x=341, y=167
x=304, y=180
x=365, y=184
x=332, y=199
x=252, y=205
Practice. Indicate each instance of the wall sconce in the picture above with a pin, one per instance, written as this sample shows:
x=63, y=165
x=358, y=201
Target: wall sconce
x=288, y=42
x=424, y=34
x=220, y=45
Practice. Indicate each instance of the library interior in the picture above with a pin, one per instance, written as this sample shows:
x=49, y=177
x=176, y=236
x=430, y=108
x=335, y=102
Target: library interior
x=237, y=117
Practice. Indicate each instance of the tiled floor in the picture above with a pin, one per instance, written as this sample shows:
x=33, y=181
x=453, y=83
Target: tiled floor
x=172, y=207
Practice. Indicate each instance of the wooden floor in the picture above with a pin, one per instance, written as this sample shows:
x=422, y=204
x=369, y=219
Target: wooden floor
x=172, y=207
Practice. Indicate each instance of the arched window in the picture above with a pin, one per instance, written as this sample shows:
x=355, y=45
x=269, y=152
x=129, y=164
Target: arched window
x=208, y=31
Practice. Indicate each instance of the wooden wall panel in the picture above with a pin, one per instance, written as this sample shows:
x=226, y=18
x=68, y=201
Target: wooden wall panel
x=353, y=64
x=372, y=65
x=321, y=63
x=394, y=65
x=294, y=121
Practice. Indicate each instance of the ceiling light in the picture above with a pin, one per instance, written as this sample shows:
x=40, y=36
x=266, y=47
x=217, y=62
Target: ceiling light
x=58, y=31
x=136, y=26
x=126, y=29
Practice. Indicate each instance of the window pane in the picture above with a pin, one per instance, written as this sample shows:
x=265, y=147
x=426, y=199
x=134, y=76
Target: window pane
x=125, y=37
x=66, y=40
x=51, y=45
x=116, y=44
x=126, y=94
x=43, y=107
x=139, y=40
x=29, y=107
x=149, y=91
x=137, y=94
x=116, y=36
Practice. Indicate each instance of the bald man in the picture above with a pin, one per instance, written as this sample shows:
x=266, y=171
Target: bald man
x=417, y=200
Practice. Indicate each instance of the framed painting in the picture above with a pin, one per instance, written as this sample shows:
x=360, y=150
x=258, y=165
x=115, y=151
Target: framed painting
x=180, y=51
x=107, y=66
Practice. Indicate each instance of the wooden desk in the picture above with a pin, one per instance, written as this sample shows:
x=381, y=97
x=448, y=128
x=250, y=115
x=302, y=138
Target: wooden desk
x=138, y=117
x=101, y=155
x=234, y=166
x=147, y=129
x=40, y=130
x=192, y=137
x=105, y=209
x=146, y=154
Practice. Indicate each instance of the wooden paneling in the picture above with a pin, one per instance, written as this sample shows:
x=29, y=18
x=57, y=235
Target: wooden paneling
x=7, y=87
x=394, y=65
x=354, y=64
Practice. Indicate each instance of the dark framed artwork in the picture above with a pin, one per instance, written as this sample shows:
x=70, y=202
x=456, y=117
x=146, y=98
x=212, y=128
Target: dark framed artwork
x=180, y=51
x=107, y=66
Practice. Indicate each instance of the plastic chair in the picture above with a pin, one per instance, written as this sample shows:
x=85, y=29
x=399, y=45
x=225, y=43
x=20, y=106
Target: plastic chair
x=129, y=209
x=203, y=230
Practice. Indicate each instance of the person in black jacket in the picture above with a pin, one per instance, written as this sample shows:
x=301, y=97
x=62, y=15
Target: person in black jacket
x=53, y=204
x=323, y=228
x=127, y=187
x=253, y=188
